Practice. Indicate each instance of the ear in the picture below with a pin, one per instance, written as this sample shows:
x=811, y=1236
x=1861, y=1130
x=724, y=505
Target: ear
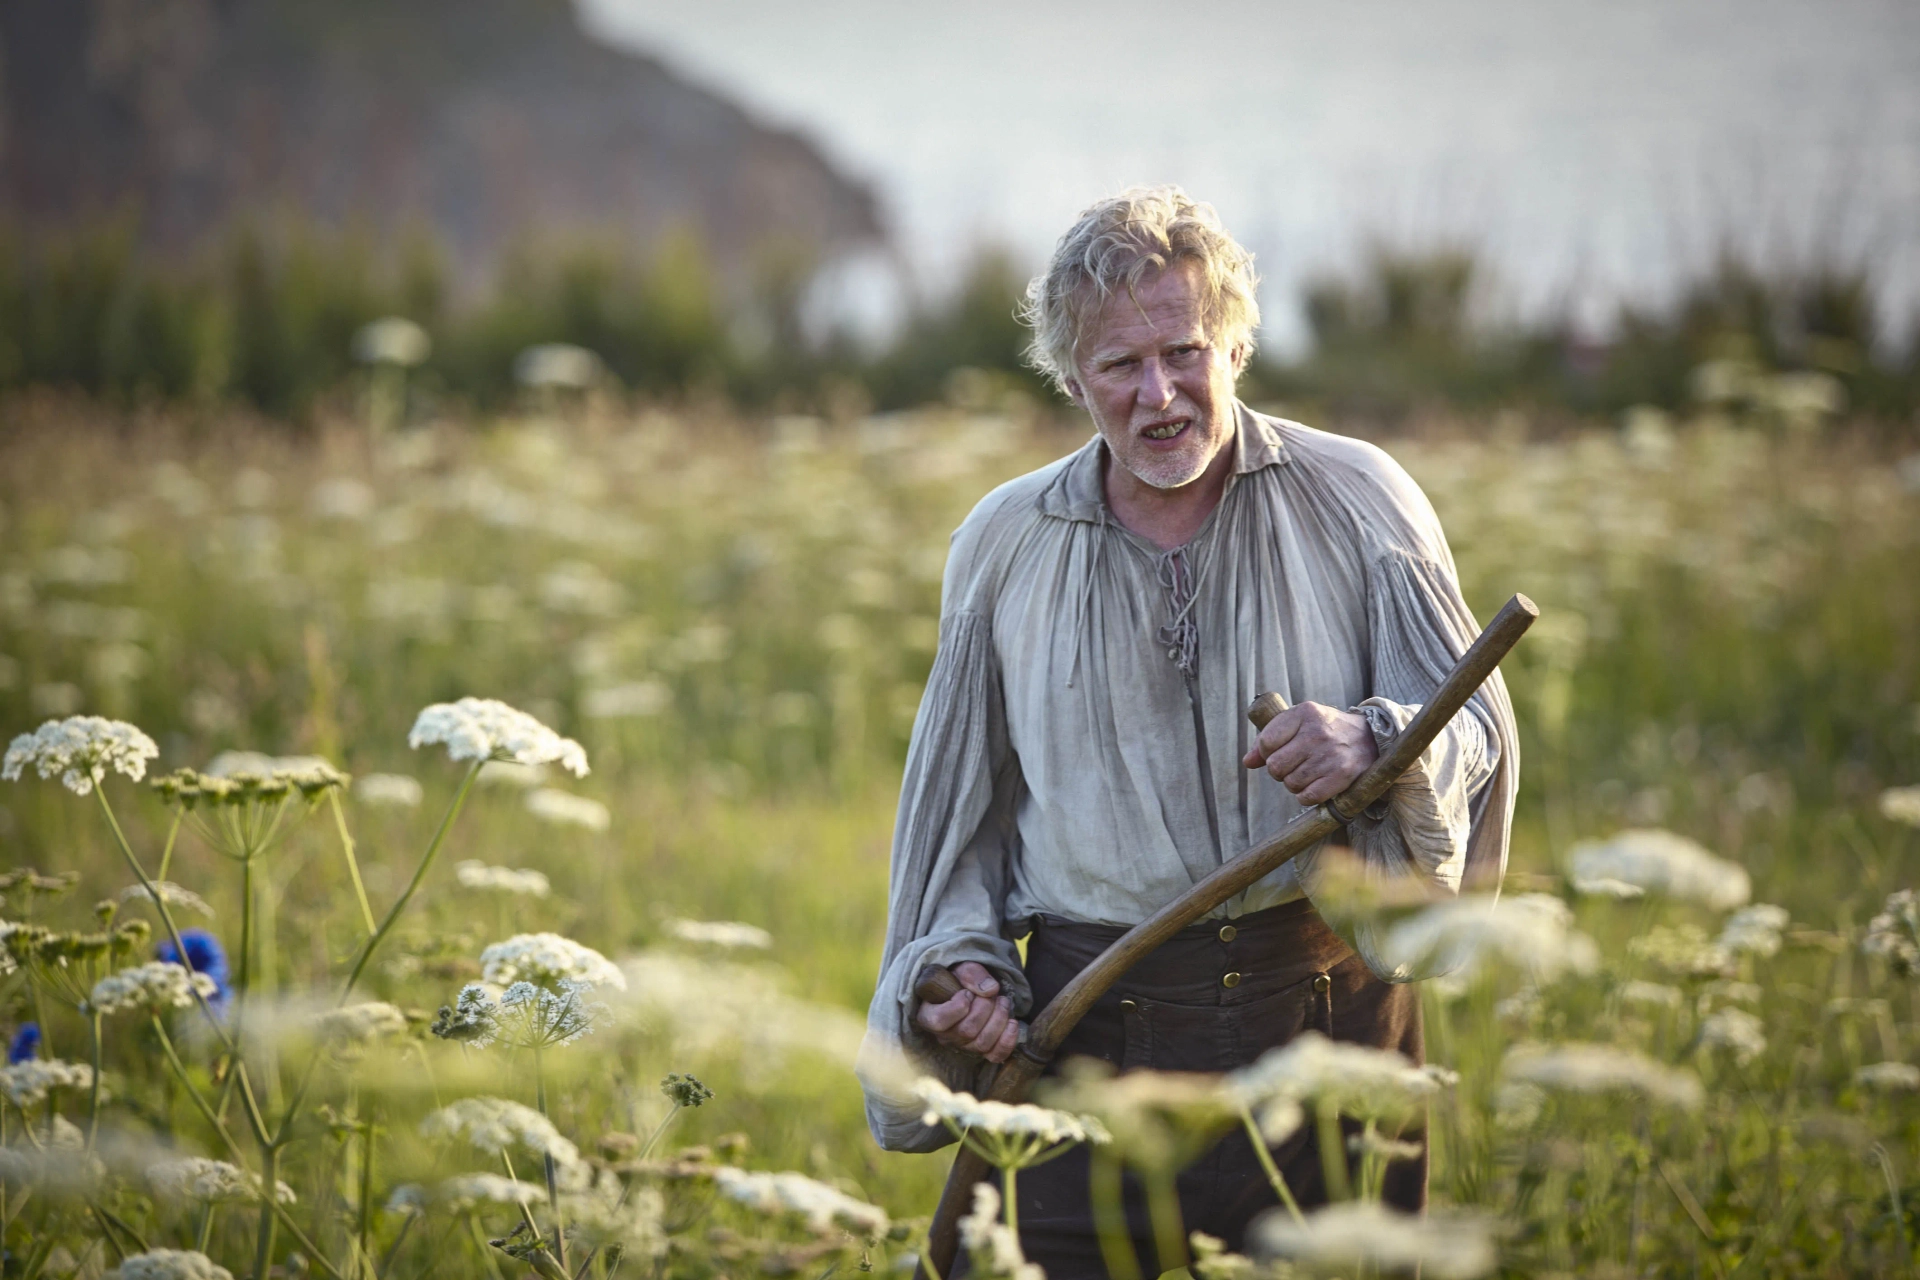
x=1075, y=392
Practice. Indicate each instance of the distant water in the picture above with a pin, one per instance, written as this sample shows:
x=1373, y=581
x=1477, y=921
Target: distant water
x=1592, y=149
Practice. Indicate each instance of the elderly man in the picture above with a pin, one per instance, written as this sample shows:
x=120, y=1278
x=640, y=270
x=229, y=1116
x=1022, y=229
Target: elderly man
x=1081, y=756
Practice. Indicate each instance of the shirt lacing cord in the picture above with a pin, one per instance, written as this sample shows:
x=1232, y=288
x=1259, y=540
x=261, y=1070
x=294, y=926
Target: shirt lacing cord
x=1181, y=634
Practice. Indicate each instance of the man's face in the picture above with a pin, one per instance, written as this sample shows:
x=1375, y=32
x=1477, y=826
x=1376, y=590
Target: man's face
x=1159, y=391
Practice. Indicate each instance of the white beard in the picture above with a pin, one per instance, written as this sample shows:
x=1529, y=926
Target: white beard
x=1174, y=471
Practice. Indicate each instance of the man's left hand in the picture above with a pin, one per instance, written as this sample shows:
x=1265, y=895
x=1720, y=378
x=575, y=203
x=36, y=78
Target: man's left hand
x=1316, y=751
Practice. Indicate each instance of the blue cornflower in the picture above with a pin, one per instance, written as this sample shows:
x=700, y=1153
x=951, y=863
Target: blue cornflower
x=204, y=955
x=25, y=1044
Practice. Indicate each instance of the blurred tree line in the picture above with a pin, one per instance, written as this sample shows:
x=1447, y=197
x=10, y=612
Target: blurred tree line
x=269, y=320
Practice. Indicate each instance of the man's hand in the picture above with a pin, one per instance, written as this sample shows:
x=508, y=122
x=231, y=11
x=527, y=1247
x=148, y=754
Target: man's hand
x=1316, y=751
x=979, y=1019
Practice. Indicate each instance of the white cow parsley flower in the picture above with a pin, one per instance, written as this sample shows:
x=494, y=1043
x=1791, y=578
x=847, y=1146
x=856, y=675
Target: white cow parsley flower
x=169, y=1264
x=80, y=750
x=550, y=804
x=1736, y=1031
x=210, y=1181
x=963, y=1112
x=1901, y=804
x=171, y=894
x=150, y=987
x=991, y=1244
x=1895, y=932
x=359, y=1024
x=474, y=874
x=470, y=1190
x=730, y=934
x=26, y=1084
x=1889, y=1076
x=795, y=1193
x=1462, y=936
x=494, y=1125
x=483, y=729
x=1754, y=930
x=546, y=959
x=393, y=789
x=530, y=1017
x=473, y=1018
x=604, y=1213
x=1362, y=1235
x=1664, y=863
x=1600, y=1068
x=1357, y=1080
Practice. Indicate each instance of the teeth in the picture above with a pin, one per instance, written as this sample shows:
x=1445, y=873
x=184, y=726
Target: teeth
x=1166, y=432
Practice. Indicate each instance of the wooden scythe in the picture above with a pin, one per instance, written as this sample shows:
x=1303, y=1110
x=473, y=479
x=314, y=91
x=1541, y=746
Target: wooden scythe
x=1052, y=1024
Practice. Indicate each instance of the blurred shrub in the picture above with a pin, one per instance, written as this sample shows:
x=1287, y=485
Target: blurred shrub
x=267, y=317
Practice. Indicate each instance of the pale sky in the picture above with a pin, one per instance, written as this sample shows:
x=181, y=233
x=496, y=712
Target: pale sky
x=1588, y=148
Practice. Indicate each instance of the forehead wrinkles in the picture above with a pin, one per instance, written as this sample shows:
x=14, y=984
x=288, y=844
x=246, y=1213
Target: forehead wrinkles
x=1100, y=313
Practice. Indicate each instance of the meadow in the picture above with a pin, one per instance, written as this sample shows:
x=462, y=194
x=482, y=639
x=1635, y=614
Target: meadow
x=730, y=620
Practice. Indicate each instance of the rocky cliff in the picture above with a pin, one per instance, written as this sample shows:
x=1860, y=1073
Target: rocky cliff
x=487, y=120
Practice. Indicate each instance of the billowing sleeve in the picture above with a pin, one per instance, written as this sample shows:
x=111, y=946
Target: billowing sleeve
x=1448, y=818
x=951, y=847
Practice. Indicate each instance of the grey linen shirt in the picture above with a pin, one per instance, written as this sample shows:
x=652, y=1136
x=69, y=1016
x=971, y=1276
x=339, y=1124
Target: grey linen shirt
x=1077, y=751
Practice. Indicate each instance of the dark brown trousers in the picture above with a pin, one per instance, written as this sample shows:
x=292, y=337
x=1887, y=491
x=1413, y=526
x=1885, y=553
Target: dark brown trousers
x=1214, y=998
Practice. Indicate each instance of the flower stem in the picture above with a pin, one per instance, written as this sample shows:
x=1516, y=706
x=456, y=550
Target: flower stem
x=263, y=1237
x=166, y=853
x=1110, y=1219
x=93, y=1095
x=1333, y=1155
x=1169, y=1232
x=1008, y=1199
x=1274, y=1175
x=659, y=1129
x=353, y=863
x=546, y=1160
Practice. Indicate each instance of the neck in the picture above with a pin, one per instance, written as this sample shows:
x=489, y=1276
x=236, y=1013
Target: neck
x=1168, y=518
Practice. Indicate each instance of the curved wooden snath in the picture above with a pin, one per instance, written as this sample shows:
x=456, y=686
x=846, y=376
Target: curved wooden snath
x=1053, y=1023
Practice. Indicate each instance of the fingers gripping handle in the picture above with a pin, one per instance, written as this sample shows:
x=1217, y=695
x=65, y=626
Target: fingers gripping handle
x=936, y=985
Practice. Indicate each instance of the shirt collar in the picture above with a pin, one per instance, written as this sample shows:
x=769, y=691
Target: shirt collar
x=1076, y=493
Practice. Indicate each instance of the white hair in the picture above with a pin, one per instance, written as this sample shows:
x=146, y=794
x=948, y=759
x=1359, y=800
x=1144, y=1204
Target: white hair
x=1114, y=244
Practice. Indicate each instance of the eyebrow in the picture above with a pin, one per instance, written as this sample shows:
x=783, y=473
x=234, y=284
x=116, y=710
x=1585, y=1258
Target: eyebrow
x=1192, y=338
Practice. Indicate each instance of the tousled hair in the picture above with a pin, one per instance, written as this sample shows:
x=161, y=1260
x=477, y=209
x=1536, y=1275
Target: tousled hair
x=1114, y=245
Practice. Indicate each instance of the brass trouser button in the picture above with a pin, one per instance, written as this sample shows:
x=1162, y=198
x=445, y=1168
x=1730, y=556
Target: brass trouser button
x=1230, y=980
x=1322, y=983
x=1228, y=933
x=1129, y=1004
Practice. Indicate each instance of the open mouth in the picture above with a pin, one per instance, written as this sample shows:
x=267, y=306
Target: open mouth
x=1165, y=430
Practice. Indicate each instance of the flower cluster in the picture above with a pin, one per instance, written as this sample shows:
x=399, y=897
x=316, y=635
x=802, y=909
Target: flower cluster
x=1891, y=1077
x=395, y=789
x=80, y=750
x=207, y=1181
x=191, y=790
x=531, y=1017
x=606, y=1214
x=26, y=1083
x=483, y=729
x=563, y=808
x=1601, y=1068
x=962, y=1112
x=474, y=874
x=1901, y=804
x=1462, y=936
x=150, y=987
x=1754, y=930
x=1735, y=1030
x=1366, y=1236
x=359, y=1024
x=685, y=1091
x=1683, y=950
x=991, y=1244
x=1353, y=1079
x=728, y=934
x=169, y=1264
x=1664, y=863
x=494, y=1125
x=546, y=959
x=1895, y=932
x=470, y=1190
x=795, y=1193
x=473, y=1018
x=173, y=895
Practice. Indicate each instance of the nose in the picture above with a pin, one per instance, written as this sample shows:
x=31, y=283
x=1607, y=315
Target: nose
x=1156, y=384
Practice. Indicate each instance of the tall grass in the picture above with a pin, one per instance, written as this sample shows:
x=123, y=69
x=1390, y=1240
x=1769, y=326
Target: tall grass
x=735, y=620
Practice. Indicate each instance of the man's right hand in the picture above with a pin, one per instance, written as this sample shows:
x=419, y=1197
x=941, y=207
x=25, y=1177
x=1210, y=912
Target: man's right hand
x=979, y=1019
